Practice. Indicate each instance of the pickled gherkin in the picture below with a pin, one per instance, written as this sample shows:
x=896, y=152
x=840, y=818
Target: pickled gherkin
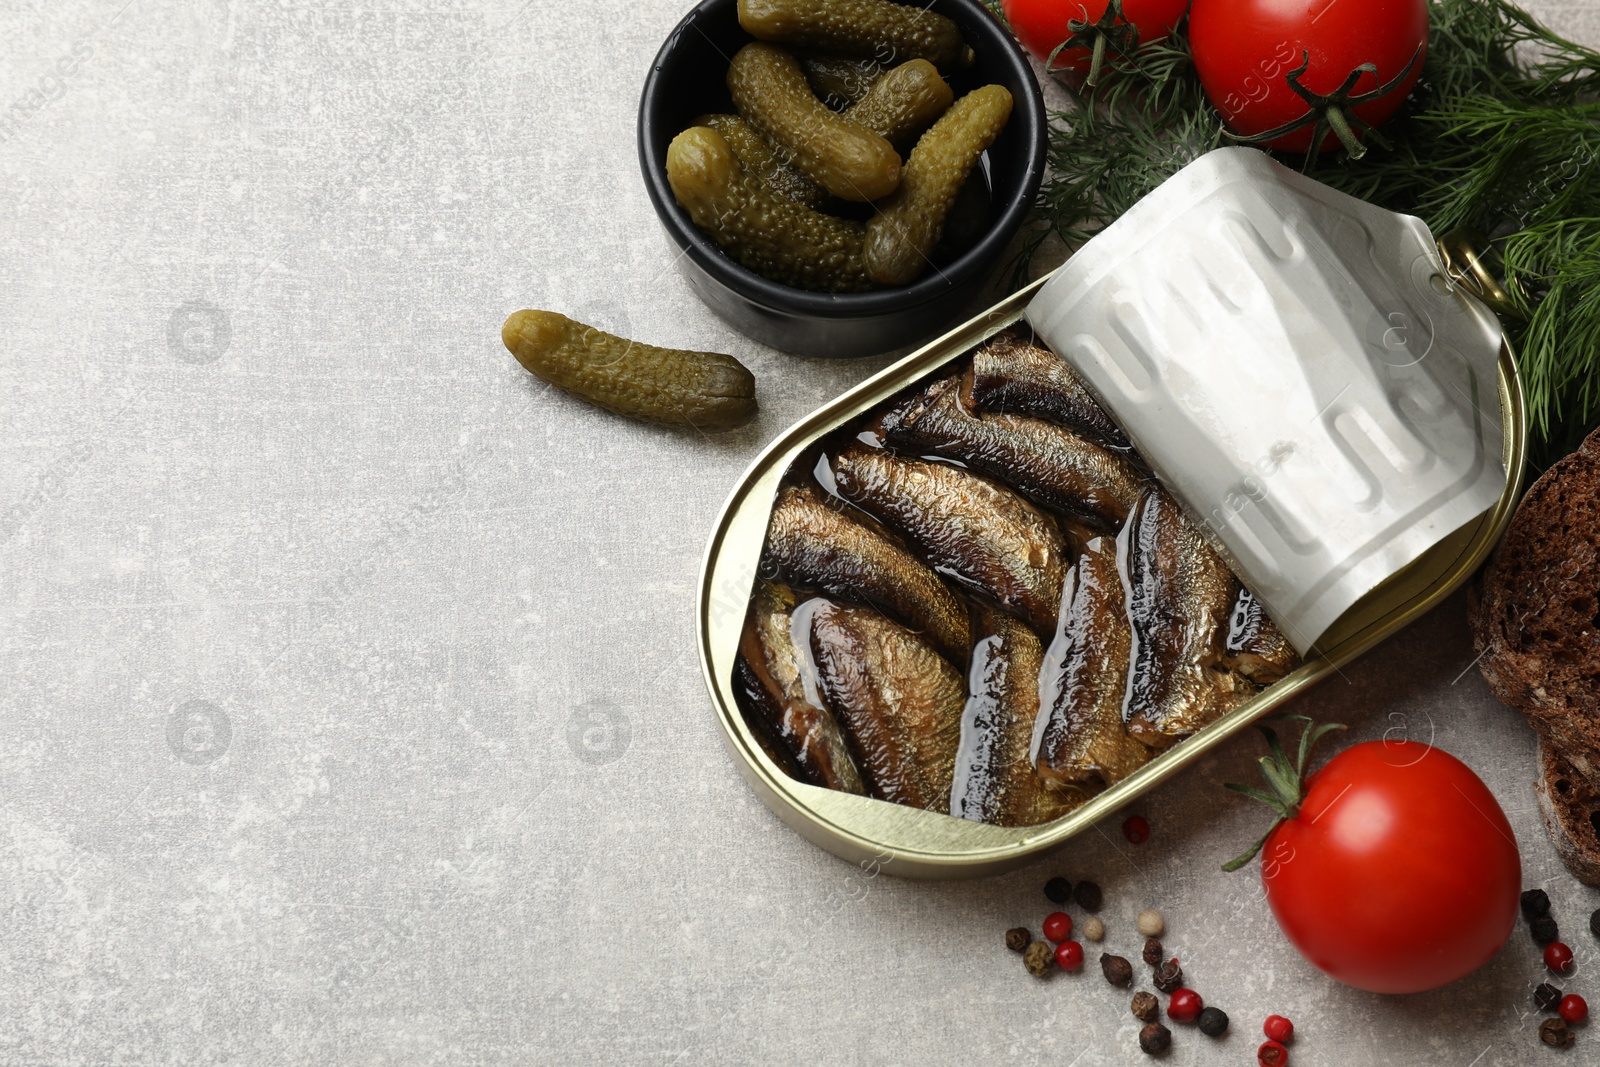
x=902, y=235
x=777, y=238
x=771, y=93
x=759, y=161
x=968, y=219
x=903, y=103
x=874, y=28
x=840, y=81
x=700, y=390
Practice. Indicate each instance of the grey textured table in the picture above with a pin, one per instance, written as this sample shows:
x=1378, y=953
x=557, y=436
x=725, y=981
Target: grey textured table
x=351, y=711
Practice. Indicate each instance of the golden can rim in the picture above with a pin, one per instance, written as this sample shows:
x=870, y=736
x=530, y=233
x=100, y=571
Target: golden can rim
x=920, y=844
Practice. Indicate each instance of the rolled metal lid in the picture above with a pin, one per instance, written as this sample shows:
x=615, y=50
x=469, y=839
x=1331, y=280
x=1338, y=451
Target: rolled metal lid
x=1297, y=367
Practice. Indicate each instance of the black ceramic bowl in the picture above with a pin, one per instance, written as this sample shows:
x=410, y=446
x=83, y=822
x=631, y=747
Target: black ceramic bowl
x=689, y=79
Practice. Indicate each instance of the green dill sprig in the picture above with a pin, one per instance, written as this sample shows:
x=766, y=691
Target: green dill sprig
x=1121, y=140
x=1559, y=262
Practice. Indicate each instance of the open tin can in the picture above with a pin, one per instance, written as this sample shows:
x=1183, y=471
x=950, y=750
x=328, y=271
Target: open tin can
x=916, y=843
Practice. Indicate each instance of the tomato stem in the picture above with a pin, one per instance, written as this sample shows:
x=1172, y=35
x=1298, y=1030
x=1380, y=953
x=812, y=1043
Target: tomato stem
x=1334, y=111
x=1285, y=776
x=1244, y=858
x=1111, y=30
x=1347, y=136
x=1096, y=59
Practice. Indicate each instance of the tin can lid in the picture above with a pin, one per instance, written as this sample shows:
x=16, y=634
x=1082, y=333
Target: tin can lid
x=1299, y=370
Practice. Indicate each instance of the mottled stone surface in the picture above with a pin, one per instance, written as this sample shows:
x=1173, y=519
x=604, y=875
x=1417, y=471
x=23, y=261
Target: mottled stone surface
x=351, y=711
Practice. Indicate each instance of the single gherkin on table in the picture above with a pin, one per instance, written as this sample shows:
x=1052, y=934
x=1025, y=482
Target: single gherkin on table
x=699, y=390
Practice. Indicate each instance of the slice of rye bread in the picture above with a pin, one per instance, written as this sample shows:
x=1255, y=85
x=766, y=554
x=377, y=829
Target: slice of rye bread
x=1536, y=614
x=1570, y=805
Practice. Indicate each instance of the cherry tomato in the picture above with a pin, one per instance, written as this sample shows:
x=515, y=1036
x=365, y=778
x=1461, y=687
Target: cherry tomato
x=1244, y=51
x=1400, y=873
x=1041, y=25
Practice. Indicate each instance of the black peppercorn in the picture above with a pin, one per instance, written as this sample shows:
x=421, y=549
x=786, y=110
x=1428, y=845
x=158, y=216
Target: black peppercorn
x=1018, y=938
x=1535, y=902
x=1153, y=951
x=1594, y=923
x=1039, y=957
x=1145, y=1006
x=1156, y=1039
x=1169, y=976
x=1087, y=894
x=1058, y=890
x=1554, y=1032
x=1546, y=997
x=1213, y=1022
x=1544, y=930
x=1117, y=970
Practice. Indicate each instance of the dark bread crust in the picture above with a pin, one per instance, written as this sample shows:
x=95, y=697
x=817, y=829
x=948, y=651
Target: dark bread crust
x=1536, y=615
x=1570, y=804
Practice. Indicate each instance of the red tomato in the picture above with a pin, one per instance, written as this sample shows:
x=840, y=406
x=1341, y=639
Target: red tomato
x=1041, y=25
x=1400, y=872
x=1245, y=49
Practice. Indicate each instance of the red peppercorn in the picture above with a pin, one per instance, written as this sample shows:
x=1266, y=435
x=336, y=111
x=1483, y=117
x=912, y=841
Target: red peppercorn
x=1058, y=926
x=1069, y=955
x=1136, y=829
x=1557, y=957
x=1185, y=1006
x=1573, y=1008
x=1277, y=1028
x=1272, y=1054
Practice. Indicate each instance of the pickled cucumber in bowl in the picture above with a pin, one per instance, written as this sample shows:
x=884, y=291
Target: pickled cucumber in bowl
x=849, y=164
